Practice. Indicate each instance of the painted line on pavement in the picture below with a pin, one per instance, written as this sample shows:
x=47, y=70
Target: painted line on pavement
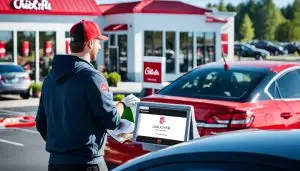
x=27, y=130
x=13, y=113
x=11, y=142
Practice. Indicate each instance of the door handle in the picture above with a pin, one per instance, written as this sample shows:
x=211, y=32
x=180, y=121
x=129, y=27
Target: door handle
x=286, y=115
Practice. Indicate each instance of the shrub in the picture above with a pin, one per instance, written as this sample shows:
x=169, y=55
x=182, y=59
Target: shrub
x=105, y=74
x=36, y=87
x=119, y=97
x=113, y=79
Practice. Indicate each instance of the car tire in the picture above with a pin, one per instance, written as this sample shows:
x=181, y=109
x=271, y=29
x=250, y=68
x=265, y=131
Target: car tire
x=259, y=57
x=276, y=53
x=25, y=95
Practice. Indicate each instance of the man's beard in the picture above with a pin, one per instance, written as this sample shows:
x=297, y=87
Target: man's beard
x=93, y=56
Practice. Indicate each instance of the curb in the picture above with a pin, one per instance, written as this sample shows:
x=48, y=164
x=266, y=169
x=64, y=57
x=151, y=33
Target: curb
x=19, y=121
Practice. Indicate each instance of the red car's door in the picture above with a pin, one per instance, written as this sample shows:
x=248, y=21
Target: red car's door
x=287, y=93
x=293, y=118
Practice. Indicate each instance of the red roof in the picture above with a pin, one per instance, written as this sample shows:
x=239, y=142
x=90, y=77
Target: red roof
x=152, y=6
x=116, y=27
x=211, y=19
x=58, y=7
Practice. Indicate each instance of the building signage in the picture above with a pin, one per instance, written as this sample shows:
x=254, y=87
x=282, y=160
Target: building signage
x=152, y=72
x=32, y=4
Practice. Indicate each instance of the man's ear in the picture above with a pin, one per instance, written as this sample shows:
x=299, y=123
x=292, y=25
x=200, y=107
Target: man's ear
x=90, y=44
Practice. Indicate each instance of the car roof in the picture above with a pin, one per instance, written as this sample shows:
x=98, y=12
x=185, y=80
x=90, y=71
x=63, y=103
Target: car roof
x=8, y=63
x=281, y=143
x=275, y=66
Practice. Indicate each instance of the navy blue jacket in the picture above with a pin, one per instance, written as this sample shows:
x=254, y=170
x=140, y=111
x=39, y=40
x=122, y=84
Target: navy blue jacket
x=75, y=110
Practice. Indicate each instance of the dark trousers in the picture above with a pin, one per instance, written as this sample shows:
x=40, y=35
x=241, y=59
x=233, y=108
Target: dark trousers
x=87, y=167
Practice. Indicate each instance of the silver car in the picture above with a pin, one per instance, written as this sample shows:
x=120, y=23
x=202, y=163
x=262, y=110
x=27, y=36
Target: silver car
x=14, y=80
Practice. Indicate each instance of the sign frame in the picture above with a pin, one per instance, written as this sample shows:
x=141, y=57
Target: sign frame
x=154, y=146
x=155, y=59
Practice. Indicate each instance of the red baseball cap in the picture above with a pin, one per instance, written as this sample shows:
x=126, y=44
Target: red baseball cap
x=85, y=31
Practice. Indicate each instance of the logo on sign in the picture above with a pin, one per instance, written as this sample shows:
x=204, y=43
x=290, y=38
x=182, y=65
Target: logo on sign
x=32, y=4
x=150, y=71
x=162, y=120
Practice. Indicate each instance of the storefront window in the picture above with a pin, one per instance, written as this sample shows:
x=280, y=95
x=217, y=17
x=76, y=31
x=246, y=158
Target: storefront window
x=67, y=34
x=47, y=50
x=186, y=51
x=26, y=51
x=170, y=52
x=122, y=43
x=112, y=40
x=200, y=48
x=6, y=46
x=210, y=55
x=153, y=43
x=106, y=57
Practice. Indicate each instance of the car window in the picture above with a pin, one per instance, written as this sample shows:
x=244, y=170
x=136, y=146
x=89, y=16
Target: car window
x=288, y=85
x=218, y=84
x=273, y=90
x=10, y=68
x=213, y=166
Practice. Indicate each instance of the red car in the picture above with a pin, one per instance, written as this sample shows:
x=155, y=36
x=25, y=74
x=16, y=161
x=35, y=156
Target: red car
x=250, y=94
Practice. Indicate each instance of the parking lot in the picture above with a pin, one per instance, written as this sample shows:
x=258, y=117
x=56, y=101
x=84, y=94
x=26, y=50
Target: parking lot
x=20, y=148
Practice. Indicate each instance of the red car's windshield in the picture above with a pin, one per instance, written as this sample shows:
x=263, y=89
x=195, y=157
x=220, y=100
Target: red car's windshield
x=215, y=83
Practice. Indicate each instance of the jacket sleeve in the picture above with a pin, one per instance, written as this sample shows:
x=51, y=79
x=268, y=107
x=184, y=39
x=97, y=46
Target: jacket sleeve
x=101, y=102
x=41, y=122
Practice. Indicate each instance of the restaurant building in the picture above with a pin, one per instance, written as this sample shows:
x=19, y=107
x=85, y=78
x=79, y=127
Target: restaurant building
x=32, y=31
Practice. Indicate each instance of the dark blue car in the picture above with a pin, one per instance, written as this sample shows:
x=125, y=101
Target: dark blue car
x=250, y=150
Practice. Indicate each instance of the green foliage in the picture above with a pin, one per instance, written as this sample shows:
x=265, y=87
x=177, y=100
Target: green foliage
x=230, y=7
x=222, y=6
x=296, y=33
x=287, y=12
x=114, y=78
x=105, y=74
x=285, y=32
x=119, y=97
x=36, y=87
x=246, y=31
x=296, y=13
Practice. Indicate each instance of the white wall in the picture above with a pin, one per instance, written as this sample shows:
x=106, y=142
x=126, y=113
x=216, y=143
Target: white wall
x=123, y=19
x=178, y=23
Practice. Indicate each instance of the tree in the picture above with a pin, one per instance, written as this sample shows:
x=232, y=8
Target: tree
x=246, y=31
x=222, y=6
x=272, y=17
x=230, y=7
x=288, y=11
x=296, y=12
x=285, y=32
x=296, y=33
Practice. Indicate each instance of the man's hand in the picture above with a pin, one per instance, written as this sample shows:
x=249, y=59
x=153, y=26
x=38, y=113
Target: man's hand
x=130, y=100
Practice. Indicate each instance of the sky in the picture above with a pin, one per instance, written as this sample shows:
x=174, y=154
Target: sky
x=202, y=3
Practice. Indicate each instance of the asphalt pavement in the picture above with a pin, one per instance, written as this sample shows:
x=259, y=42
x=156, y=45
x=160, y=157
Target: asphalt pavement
x=21, y=149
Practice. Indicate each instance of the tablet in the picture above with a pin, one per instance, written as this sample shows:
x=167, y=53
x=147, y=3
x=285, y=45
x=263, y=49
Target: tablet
x=162, y=123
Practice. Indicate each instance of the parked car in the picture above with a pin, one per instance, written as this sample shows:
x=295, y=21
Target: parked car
x=246, y=94
x=14, y=80
x=271, y=47
x=292, y=47
x=242, y=150
x=245, y=50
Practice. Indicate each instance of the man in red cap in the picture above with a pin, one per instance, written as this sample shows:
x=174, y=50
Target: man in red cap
x=76, y=107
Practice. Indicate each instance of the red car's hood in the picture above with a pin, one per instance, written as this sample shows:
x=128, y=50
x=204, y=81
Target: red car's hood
x=203, y=108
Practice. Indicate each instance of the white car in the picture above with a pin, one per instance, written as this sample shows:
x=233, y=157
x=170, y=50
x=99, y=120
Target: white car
x=14, y=80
